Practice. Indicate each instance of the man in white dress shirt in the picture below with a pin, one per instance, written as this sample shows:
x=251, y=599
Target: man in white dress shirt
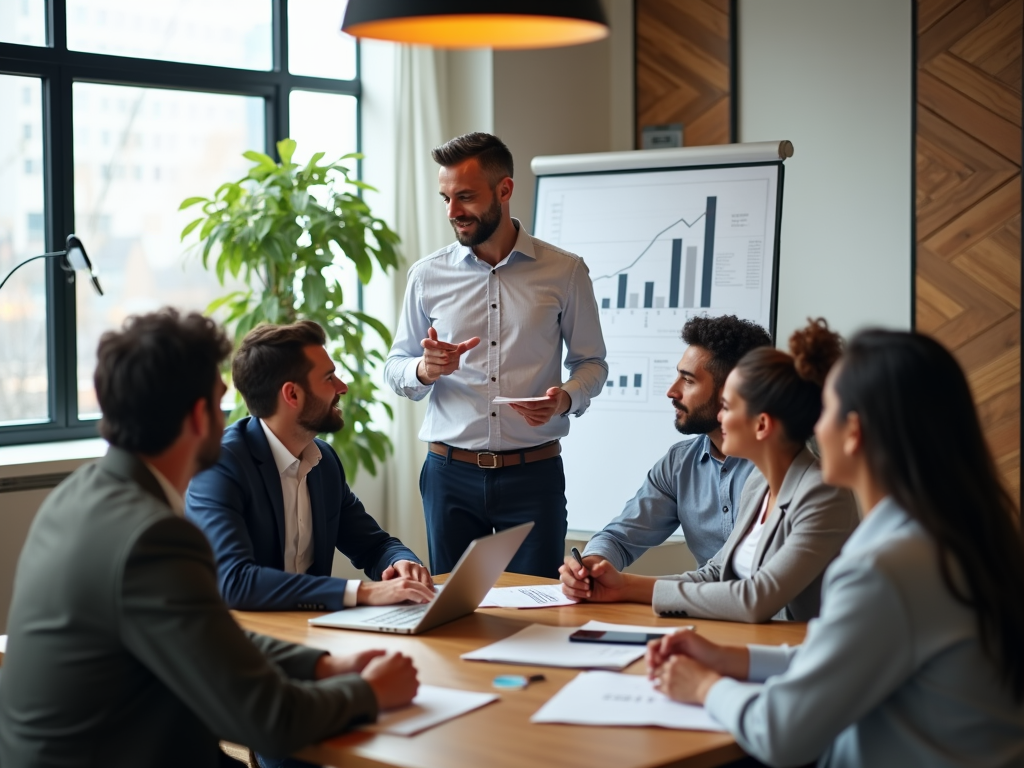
x=276, y=505
x=487, y=316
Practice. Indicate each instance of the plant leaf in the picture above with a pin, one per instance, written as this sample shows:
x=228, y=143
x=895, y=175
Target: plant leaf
x=286, y=148
x=188, y=202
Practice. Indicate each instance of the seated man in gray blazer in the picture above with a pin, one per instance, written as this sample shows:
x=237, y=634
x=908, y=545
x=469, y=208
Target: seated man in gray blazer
x=121, y=652
x=694, y=485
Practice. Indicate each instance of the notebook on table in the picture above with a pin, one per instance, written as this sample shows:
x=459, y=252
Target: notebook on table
x=476, y=572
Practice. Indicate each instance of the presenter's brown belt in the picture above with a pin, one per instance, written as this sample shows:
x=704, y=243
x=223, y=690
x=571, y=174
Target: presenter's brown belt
x=490, y=460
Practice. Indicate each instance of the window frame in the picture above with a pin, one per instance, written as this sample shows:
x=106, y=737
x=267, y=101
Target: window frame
x=58, y=69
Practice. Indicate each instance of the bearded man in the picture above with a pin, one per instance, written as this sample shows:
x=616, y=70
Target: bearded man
x=276, y=504
x=694, y=486
x=487, y=317
x=121, y=653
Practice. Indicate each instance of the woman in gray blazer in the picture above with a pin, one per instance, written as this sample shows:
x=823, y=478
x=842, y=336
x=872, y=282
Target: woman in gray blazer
x=789, y=526
x=916, y=659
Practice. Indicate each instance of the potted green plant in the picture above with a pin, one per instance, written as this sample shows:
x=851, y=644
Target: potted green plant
x=284, y=229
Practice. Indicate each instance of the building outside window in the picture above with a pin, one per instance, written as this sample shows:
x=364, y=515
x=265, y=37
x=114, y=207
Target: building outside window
x=115, y=112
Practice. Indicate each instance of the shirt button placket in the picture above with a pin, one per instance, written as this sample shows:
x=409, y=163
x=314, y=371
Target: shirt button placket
x=493, y=355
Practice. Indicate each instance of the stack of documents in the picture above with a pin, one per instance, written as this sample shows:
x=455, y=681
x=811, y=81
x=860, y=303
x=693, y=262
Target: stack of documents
x=541, y=645
x=608, y=698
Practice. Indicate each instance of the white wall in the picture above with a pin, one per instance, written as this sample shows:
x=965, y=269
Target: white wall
x=565, y=100
x=835, y=79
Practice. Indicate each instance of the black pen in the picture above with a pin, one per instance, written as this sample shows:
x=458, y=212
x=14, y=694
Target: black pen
x=579, y=559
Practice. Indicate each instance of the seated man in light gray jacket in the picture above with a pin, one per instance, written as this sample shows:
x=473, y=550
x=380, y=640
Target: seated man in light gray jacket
x=790, y=525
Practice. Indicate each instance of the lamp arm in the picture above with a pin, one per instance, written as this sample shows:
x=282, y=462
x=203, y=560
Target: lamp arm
x=26, y=261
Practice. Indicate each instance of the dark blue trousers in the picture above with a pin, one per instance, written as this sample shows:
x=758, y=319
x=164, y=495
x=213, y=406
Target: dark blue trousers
x=463, y=502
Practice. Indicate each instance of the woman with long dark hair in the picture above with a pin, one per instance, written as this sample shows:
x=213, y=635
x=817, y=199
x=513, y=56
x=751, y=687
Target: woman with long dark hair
x=789, y=524
x=918, y=656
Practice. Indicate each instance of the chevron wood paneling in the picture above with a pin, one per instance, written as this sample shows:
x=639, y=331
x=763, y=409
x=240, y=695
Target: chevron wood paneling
x=683, y=68
x=968, y=203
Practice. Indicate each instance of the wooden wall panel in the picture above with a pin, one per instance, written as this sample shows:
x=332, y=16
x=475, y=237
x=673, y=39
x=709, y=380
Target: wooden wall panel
x=968, y=203
x=683, y=75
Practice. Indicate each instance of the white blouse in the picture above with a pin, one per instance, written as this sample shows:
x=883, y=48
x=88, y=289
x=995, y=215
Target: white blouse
x=743, y=556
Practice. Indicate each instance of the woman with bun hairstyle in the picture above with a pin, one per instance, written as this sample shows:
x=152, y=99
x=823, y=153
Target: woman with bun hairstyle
x=916, y=659
x=789, y=525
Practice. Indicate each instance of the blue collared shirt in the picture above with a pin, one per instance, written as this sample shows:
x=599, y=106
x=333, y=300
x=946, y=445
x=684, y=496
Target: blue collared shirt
x=523, y=309
x=688, y=487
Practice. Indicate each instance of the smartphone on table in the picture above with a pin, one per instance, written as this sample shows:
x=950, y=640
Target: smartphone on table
x=610, y=636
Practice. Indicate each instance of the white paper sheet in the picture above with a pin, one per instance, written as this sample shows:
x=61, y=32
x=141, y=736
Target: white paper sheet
x=3, y=643
x=502, y=400
x=541, y=596
x=432, y=706
x=545, y=646
x=609, y=698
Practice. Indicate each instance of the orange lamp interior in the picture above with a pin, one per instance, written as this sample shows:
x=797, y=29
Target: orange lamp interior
x=483, y=30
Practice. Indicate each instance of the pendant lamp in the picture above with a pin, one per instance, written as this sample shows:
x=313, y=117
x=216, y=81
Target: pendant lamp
x=500, y=24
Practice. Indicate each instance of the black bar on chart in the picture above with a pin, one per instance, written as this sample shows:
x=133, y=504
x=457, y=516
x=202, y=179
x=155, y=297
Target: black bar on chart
x=623, y=381
x=606, y=303
x=673, y=285
x=622, y=292
x=637, y=379
x=709, y=252
x=648, y=295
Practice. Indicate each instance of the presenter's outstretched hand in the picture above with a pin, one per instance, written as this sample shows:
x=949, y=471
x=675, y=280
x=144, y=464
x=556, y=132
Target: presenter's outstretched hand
x=542, y=411
x=598, y=581
x=407, y=569
x=440, y=358
x=393, y=679
x=329, y=666
x=725, y=660
x=393, y=591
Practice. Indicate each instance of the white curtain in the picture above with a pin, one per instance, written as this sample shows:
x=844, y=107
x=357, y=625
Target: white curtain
x=422, y=103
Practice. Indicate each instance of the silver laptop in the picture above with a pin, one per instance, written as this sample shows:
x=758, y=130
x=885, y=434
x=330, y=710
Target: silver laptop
x=475, y=573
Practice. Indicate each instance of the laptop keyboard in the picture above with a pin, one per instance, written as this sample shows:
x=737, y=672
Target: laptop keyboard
x=406, y=616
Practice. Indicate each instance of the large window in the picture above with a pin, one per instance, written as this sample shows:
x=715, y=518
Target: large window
x=114, y=112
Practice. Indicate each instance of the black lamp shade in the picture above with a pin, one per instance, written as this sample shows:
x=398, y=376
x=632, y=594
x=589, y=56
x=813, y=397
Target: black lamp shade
x=461, y=24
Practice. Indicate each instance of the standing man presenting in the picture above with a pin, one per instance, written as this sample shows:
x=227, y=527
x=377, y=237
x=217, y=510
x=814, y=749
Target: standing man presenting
x=486, y=317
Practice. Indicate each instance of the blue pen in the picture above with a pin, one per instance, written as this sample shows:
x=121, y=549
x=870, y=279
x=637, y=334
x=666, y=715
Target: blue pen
x=579, y=559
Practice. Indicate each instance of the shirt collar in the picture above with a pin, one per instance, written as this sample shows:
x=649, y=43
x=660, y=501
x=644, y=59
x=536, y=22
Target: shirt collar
x=523, y=245
x=283, y=458
x=705, y=453
x=174, y=499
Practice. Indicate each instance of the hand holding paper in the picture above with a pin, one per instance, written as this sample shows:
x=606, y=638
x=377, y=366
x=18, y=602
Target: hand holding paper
x=539, y=412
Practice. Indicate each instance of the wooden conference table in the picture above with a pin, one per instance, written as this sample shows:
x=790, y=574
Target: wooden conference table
x=500, y=734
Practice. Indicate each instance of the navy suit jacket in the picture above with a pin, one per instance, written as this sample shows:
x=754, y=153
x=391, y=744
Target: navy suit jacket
x=239, y=505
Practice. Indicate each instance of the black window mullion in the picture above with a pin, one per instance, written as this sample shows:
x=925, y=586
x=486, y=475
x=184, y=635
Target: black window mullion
x=278, y=111
x=57, y=24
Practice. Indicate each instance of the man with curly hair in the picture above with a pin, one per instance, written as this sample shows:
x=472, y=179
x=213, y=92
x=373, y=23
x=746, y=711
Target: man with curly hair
x=694, y=485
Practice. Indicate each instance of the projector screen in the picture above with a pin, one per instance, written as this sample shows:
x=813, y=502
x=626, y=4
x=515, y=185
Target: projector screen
x=662, y=245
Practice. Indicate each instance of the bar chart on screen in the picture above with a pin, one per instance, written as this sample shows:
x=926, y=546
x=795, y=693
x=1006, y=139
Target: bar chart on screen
x=662, y=246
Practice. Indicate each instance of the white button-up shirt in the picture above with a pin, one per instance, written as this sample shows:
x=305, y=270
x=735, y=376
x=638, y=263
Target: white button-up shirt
x=174, y=499
x=298, y=515
x=298, y=519
x=523, y=309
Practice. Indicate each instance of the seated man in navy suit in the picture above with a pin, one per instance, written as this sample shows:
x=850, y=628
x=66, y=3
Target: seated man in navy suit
x=276, y=504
